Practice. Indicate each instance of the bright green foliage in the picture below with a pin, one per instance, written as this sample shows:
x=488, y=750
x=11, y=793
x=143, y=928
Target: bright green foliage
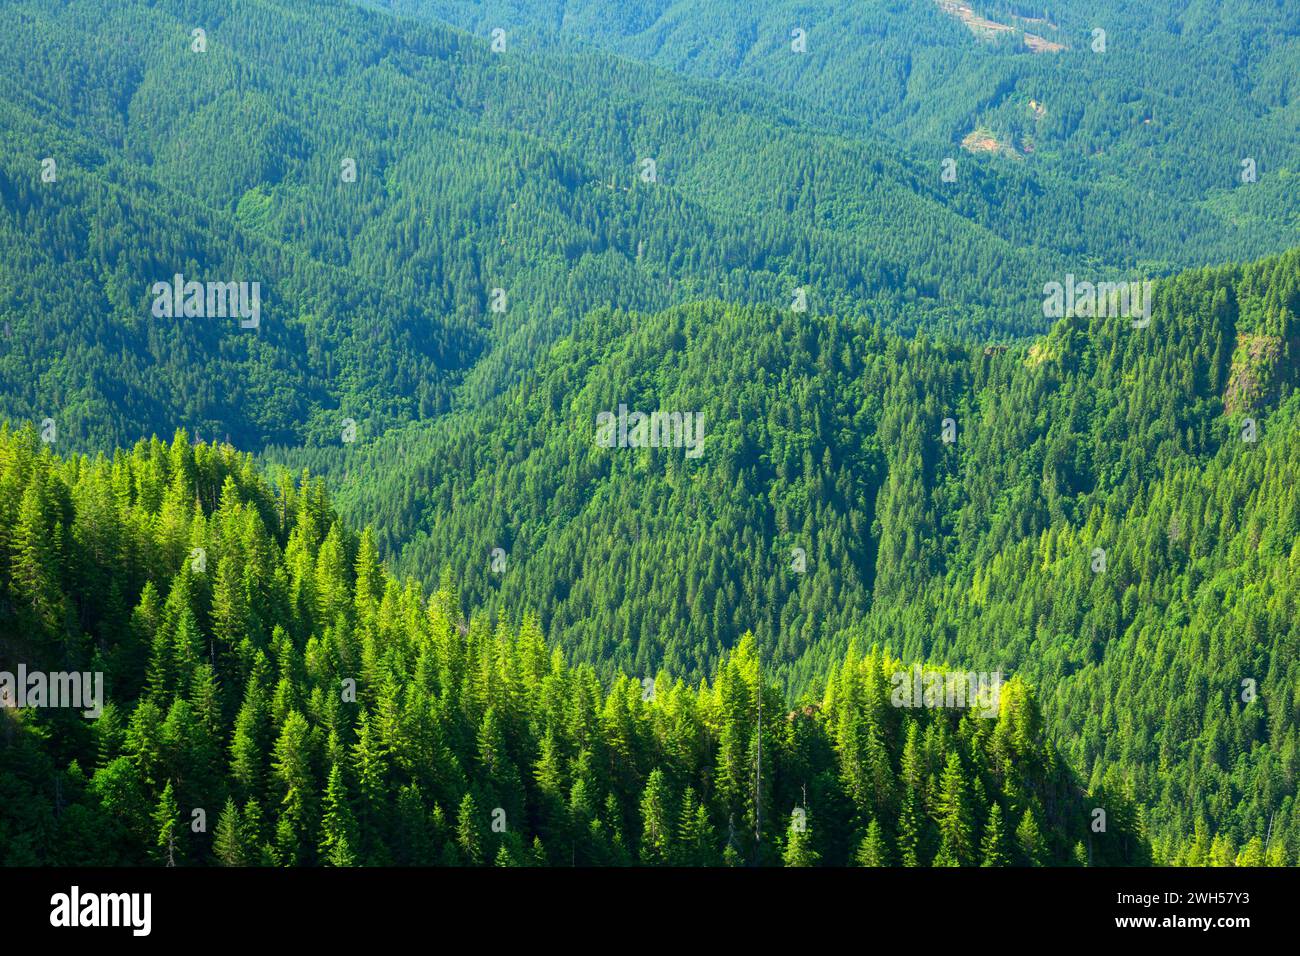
x=420, y=765
x=1101, y=527
x=799, y=843
x=991, y=846
x=873, y=850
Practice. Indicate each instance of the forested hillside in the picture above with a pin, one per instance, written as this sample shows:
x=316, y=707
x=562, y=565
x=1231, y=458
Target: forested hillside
x=469, y=172
x=381, y=177
x=1164, y=105
x=829, y=438
x=823, y=234
x=264, y=670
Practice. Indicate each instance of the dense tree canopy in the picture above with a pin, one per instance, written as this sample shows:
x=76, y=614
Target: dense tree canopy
x=283, y=700
x=1101, y=505
x=542, y=649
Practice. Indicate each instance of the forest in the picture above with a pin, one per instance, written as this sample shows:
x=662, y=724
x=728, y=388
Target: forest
x=523, y=171
x=277, y=698
x=1170, y=448
x=365, y=582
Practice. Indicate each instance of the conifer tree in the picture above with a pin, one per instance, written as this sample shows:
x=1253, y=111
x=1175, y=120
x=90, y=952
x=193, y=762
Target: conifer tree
x=166, y=820
x=991, y=852
x=34, y=565
x=909, y=831
x=656, y=828
x=953, y=814
x=799, y=850
x=695, y=832
x=470, y=832
x=293, y=773
x=338, y=828
x=1029, y=838
x=873, y=850
x=228, y=838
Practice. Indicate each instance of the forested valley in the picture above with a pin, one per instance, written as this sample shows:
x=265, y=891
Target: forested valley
x=1115, y=519
x=264, y=670
x=365, y=585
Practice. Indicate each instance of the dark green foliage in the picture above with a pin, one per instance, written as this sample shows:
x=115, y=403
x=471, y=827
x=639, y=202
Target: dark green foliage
x=265, y=667
x=826, y=436
x=462, y=739
x=521, y=171
x=1158, y=124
